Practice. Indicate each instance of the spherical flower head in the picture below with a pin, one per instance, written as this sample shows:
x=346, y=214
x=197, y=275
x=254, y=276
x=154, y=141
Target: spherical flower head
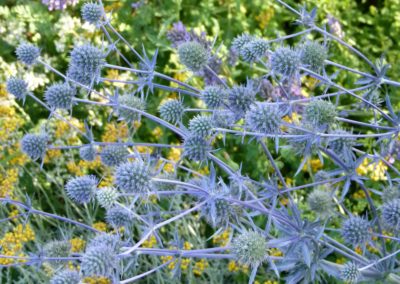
x=224, y=118
x=119, y=216
x=57, y=249
x=250, y=248
x=88, y=57
x=217, y=212
x=66, y=276
x=92, y=13
x=350, y=272
x=193, y=55
x=196, y=148
x=342, y=145
x=213, y=96
x=131, y=101
x=27, y=53
x=99, y=261
x=87, y=153
x=240, y=41
x=313, y=55
x=201, y=126
x=82, y=189
x=107, y=240
x=356, y=231
x=113, y=155
x=254, y=50
x=241, y=98
x=285, y=61
x=320, y=201
x=320, y=114
x=391, y=214
x=60, y=96
x=172, y=111
x=106, y=196
x=263, y=118
x=133, y=177
x=34, y=145
x=17, y=87
x=321, y=176
x=78, y=75
x=390, y=193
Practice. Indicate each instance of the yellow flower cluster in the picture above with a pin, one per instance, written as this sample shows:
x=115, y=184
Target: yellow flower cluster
x=233, y=266
x=80, y=168
x=200, y=266
x=10, y=121
x=375, y=170
x=77, y=244
x=13, y=242
x=101, y=226
x=359, y=195
x=17, y=157
x=96, y=280
x=264, y=17
x=64, y=129
x=8, y=179
x=222, y=239
x=185, y=262
x=313, y=164
x=150, y=242
x=115, y=131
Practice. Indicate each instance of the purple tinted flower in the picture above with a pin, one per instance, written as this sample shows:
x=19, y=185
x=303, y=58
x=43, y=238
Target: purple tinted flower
x=59, y=4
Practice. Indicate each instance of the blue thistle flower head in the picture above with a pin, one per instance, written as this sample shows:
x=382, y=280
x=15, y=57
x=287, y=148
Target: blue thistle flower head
x=313, y=55
x=66, y=276
x=342, y=145
x=133, y=177
x=390, y=193
x=320, y=114
x=193, y=55
x=60, y=95
x=213, y=96
x=201, y=125
x=320, y=201
x=34, y=145
x=250, y=248
x=87, y=153
x=350, y=272
x=254, y=50
x=82, y=189
x=17, y=87
x=391, y=214
x=264, y=118
x=130, y=100
x=241, y=98
x=119, y=216
x=285, y=61
x=99, y=261
x=356, y=231
x=108, y=240
x=27, y=53
x=86, y=63
x=106, y=196
x=172, y=111
x=196, y=148
x=78, y=75
x=240, y=41
x=92, y=13
x=113, y=155
x=224, y=118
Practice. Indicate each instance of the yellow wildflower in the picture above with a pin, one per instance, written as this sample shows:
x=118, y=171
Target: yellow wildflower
x=77, y=244
x=101, y=226
x=200, y=266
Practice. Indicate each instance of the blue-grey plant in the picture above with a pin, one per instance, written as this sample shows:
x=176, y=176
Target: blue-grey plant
x=113, y=155
x=17, y=87
x=82, y=189
x=27, y=53
x=149, y=192
x=66, y=276
x=34, y=145
x=60, y=95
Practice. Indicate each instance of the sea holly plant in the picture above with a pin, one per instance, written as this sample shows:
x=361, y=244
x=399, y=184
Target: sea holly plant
x=264, y=215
